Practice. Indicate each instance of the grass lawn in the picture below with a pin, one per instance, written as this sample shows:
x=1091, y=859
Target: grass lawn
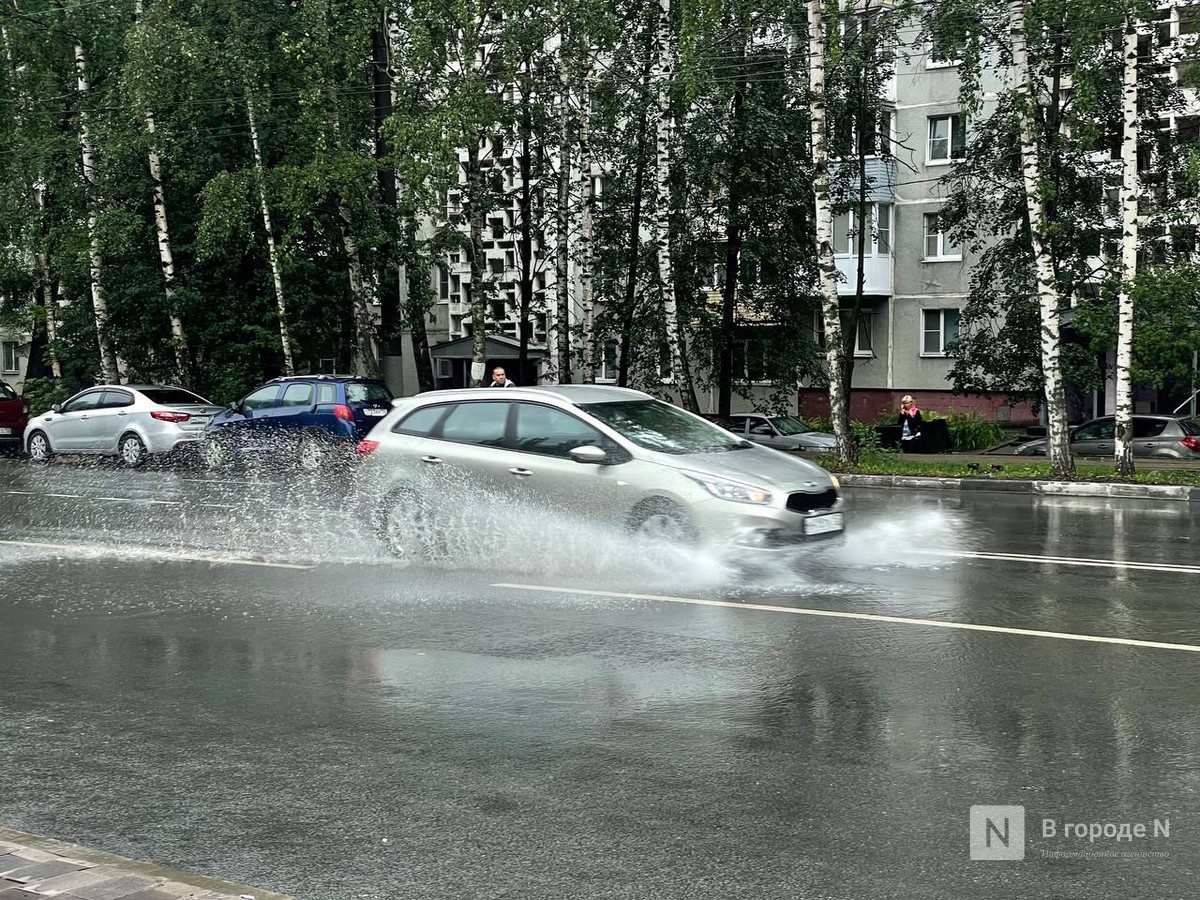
x=884, y=463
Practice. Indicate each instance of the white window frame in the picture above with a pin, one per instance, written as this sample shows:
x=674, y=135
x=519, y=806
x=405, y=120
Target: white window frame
x=941, y=331
x=950, y=158
x=931, y=62
x=942, y=241
x=852, y=229
x=7, y=348
x=865, y=317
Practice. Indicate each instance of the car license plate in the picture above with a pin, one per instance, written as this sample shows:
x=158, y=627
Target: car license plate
x=6, y=431
x=823, y=524
x=201, y=420
x=375, y=412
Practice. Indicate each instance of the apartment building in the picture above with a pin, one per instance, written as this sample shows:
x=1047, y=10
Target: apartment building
x=14, y=357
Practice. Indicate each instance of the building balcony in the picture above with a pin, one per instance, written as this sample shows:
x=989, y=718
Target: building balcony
x=876, y=269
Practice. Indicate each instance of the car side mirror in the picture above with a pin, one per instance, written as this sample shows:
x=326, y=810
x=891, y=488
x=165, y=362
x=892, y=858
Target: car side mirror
x=57, y=407
x=589, y=454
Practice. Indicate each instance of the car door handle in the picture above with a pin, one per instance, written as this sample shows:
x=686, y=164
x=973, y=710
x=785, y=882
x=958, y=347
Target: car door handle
x=83, y=416
x=122, y=413
x=432, y=460
x=519, y=472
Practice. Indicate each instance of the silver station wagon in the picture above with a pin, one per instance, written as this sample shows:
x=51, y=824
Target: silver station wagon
x=610, y=455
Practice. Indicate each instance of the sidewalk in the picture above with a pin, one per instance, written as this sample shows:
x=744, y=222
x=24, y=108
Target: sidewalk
x=32, y=866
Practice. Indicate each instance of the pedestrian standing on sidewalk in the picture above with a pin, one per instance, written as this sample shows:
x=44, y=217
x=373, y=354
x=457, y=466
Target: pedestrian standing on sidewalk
x=500, y=379
x=910, y=425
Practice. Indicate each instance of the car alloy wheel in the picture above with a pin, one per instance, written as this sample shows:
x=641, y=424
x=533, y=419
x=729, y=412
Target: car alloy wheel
x=312, y=453
x=407, y=528
x=663, y=521
x=132, y=451
x=213, y=453
x=39, y=447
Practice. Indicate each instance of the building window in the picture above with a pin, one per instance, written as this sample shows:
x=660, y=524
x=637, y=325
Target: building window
x=939, y=331
x=944, y=50
x=8, y=358
x=938, y=244
x=879, y=236
x=947, y=138
x=607, y=369
x=864, y=341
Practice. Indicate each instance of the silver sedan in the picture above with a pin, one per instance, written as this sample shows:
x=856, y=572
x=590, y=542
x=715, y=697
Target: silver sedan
x=132, y=422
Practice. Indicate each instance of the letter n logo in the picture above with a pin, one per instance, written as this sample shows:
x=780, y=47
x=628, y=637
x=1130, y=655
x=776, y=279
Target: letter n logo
x=997, y=832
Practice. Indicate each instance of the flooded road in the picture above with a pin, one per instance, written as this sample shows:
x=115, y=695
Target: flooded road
x=229, y=676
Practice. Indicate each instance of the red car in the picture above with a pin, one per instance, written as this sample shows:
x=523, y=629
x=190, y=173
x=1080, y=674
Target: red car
x=14, y=416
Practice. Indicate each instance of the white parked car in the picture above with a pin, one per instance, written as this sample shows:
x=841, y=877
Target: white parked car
x=129, y=421
x=613, y=456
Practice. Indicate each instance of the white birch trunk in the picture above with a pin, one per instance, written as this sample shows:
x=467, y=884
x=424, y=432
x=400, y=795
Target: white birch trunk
x=1058, y=436
x=1129, y=248
x=562, y=220
x=48, y=304
x=285, y=341
x=585, y=247
x=664, y=136
x=835, y=352
x=165, y=257
x=366, y=360
x=109, y=368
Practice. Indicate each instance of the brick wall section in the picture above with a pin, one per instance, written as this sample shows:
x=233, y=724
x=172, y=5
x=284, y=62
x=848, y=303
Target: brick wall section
x=869, y=405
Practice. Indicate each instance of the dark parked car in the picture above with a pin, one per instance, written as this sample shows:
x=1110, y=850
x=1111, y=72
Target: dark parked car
x=780, y=432
x=14, y=416
x=1173, y=437
x=309, y=417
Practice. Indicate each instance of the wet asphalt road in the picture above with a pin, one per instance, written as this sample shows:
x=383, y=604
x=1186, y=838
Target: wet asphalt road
x=228, y=677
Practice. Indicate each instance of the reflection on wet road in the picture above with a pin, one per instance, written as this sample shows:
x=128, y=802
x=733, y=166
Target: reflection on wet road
x=322, y=721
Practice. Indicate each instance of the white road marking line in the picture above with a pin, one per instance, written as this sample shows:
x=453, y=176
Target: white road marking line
x=160, y=554
x=862, y=617
x=1062, y=561
x=67, y=496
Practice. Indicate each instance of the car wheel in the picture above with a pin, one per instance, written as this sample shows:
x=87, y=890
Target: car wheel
x=131, y=450
x=214, y=453
x=39, y=447
x=662, y=520
x=408, y=528
x=312, y=454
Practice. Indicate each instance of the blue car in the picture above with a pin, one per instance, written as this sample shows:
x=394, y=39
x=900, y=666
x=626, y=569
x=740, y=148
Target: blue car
x=312, y=419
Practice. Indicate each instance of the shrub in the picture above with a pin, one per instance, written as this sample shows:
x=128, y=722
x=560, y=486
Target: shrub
x=42, y=393
x=970, y=433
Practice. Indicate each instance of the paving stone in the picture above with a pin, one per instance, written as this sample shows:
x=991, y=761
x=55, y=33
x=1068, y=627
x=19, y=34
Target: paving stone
x=62, y=883
x=114, y=888
x=27, y=857
x=41, y=871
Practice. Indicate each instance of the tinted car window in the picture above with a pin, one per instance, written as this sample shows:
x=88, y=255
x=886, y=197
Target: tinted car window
x=477, y=423
x=173, y=397
x=788, y=425
x=367, y=392
x=760, y=428
x=543, y=429
x=297, y=395
x=116, y=399
x=326, y=393
x=1103, y=430
x=659, y=426
x=737, y=424
x=7, y=393
x=1190, y=426
x=1148, y=428
x=421, y=422
x=262, y=398
x=83, y=402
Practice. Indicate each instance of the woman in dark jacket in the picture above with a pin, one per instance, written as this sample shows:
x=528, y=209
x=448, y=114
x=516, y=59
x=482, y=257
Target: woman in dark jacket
x=910, y=425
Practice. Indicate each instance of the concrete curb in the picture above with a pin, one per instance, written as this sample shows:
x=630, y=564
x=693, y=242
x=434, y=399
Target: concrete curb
x=1112, y=491
x=43, y=866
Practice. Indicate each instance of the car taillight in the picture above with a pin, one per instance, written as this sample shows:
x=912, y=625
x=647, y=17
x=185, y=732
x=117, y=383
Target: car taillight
x=342, y=411
x=167, y=416
x=366, y=448
x=1192, y=443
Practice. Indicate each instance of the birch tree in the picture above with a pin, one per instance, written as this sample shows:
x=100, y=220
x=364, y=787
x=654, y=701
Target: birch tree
x=664, y=77
x=1129, y=250
x=835, y=352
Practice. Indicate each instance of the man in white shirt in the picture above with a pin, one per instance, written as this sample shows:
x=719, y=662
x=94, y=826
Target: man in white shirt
x=500, y=379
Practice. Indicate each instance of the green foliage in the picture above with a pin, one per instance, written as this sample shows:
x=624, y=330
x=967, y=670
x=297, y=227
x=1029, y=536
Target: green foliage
x=42, y=393
x=970, y=433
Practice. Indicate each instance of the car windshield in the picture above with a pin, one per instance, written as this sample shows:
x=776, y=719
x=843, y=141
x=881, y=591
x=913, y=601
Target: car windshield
x=367, y=392
x=659, y=426
x=173, y=397
x=1190, y=426
x=787, y=425
x=7, y=393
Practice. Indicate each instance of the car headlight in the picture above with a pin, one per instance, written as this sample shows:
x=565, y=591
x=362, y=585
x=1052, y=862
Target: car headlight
x=732, y=490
